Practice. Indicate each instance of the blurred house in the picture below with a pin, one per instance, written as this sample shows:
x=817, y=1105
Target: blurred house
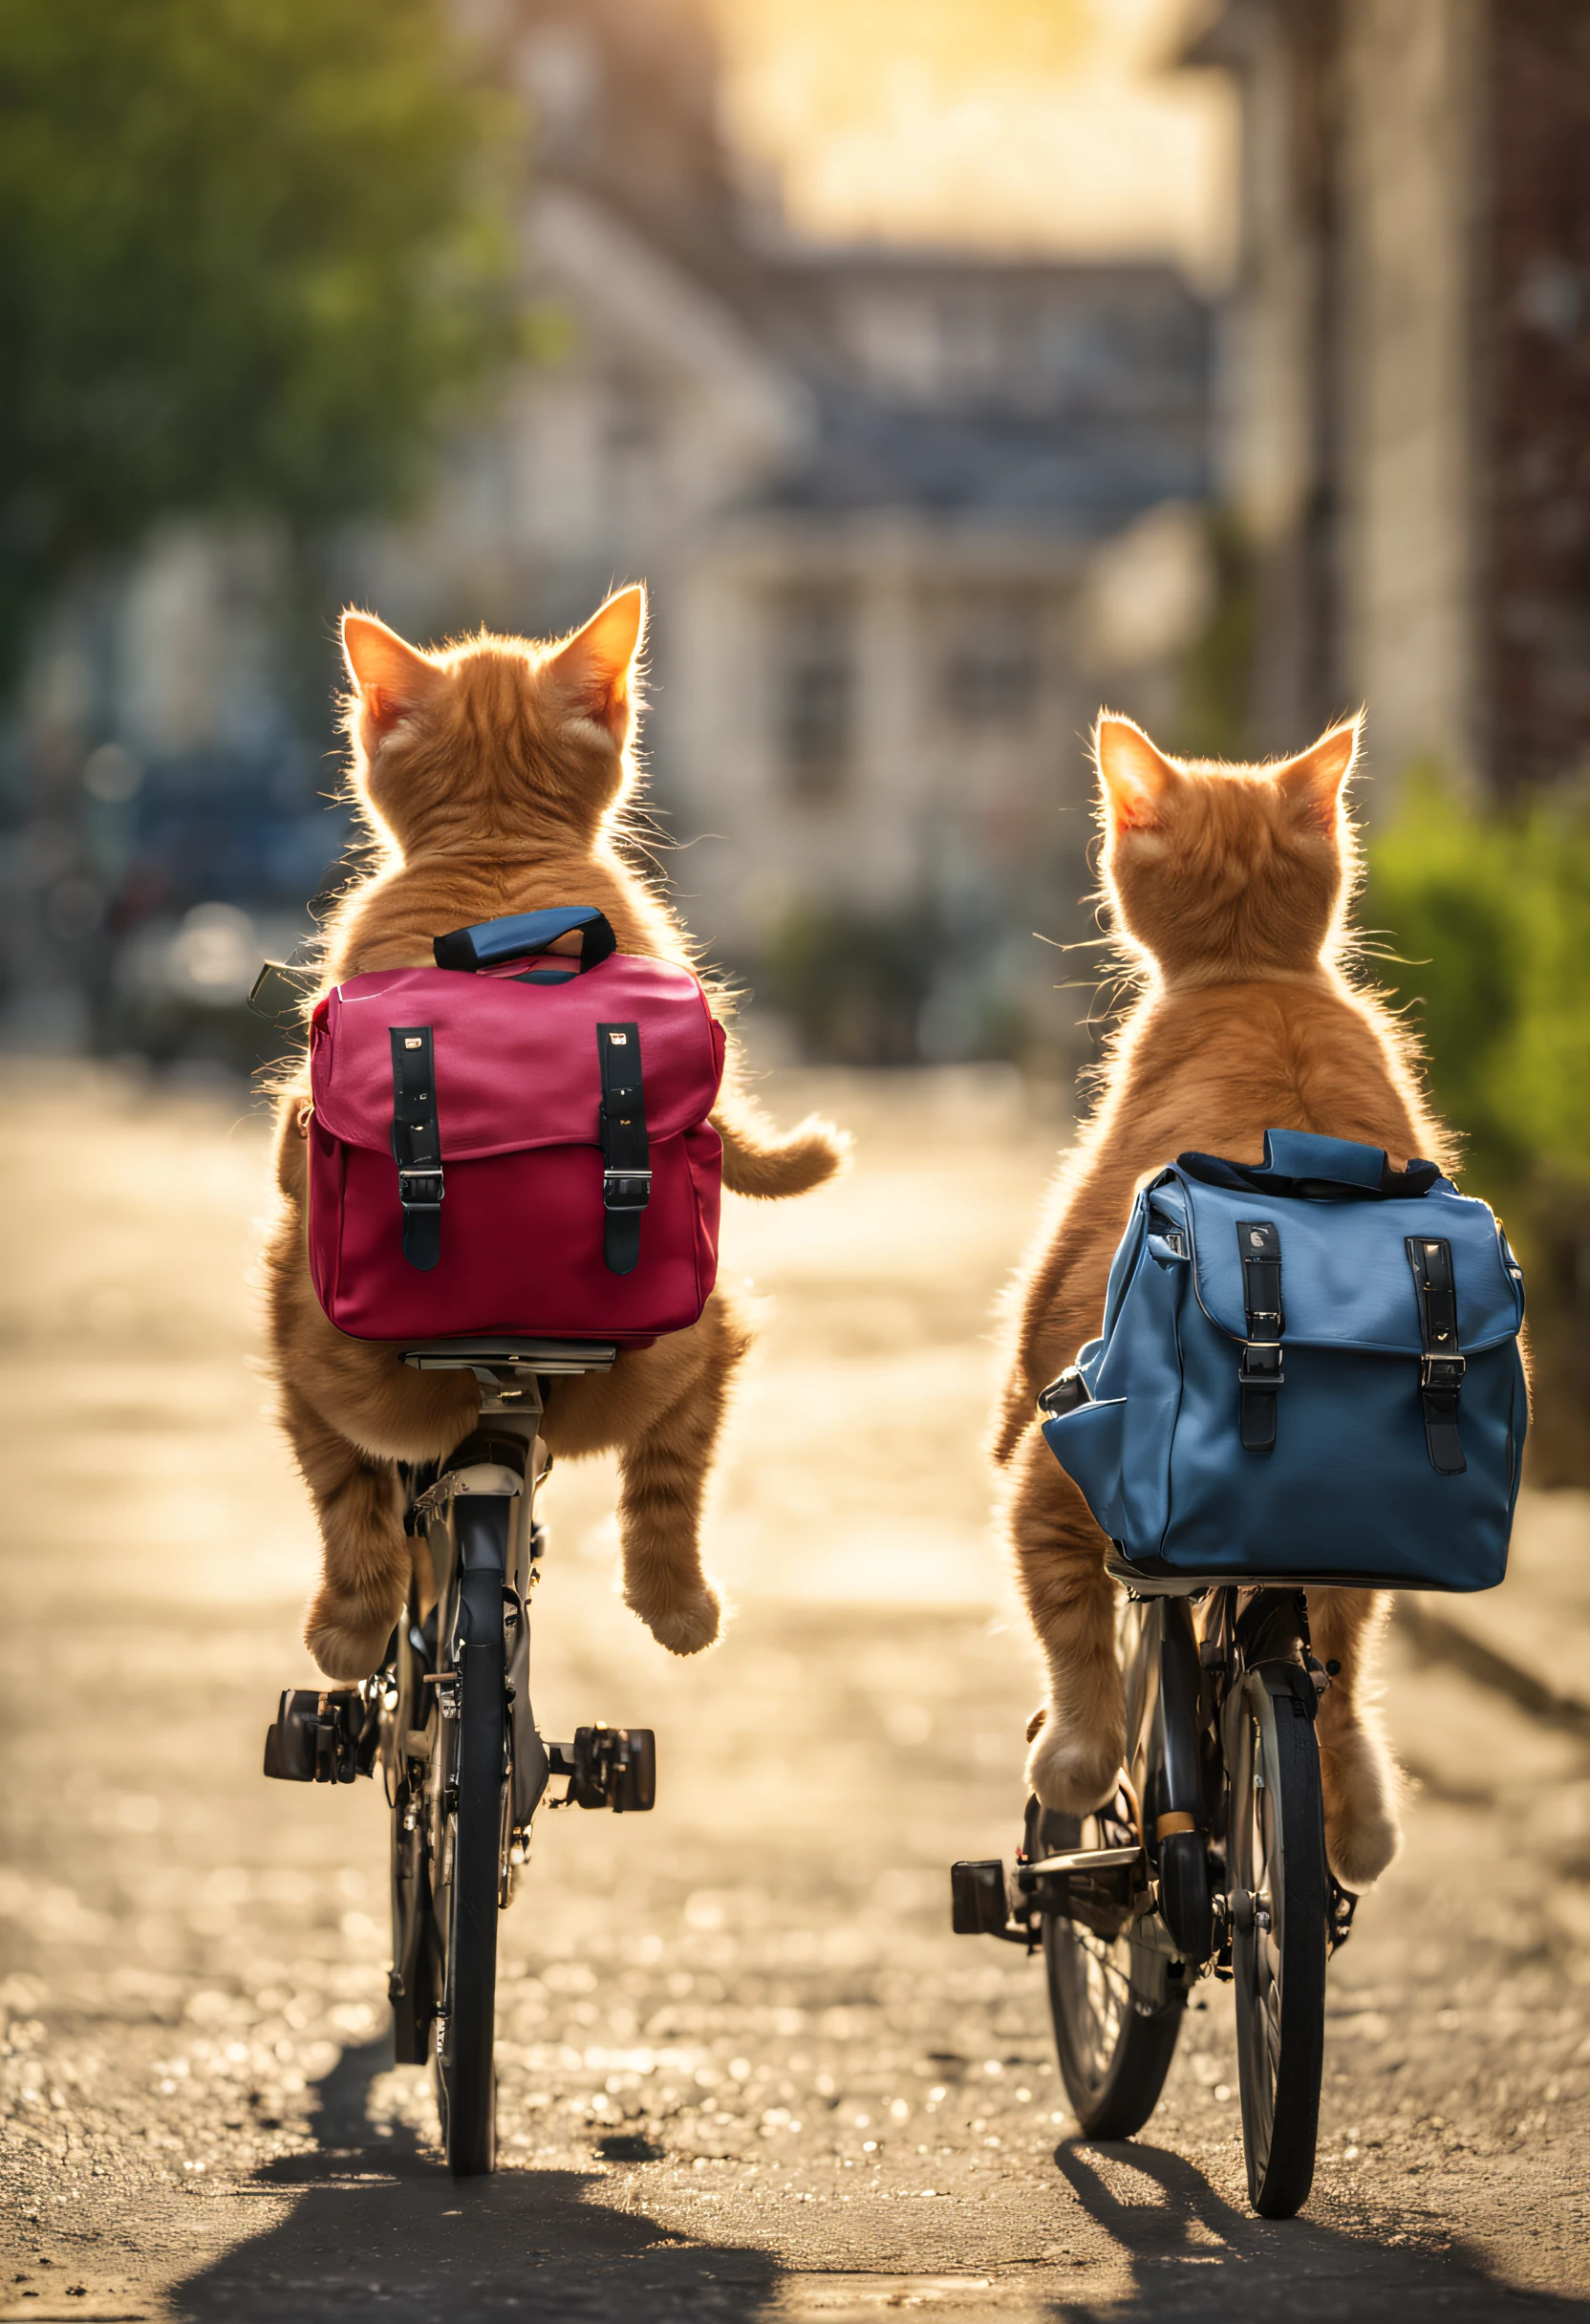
x=907, y=521
x=1407, y=424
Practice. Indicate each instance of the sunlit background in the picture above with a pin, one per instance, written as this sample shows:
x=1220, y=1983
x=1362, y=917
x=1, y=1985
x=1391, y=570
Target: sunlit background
x=946, y=370
x=1058, y=127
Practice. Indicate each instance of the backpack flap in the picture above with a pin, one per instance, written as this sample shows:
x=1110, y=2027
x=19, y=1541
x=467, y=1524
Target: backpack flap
x=1345, y=1267
x=516, y=1066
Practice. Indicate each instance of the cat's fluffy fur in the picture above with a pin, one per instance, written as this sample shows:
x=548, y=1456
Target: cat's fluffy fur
x=491, y=778
x=1230, y=885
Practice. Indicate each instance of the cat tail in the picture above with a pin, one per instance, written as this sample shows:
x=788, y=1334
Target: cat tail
x=757, y=1161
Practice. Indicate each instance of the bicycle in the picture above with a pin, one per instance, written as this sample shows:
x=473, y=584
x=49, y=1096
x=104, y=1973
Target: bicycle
x=449, y=1722
x=1210, y=1860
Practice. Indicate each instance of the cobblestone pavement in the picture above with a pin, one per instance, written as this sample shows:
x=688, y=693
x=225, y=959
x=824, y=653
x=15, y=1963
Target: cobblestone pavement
x=747, y=2072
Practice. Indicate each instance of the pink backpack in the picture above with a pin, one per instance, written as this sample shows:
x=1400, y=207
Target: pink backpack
x=516, y=1141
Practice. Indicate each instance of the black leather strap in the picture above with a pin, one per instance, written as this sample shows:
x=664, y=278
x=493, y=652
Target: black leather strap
x=416, y=1144
x=626, y=1153
x=1259, y=1374
x=1441, y=1366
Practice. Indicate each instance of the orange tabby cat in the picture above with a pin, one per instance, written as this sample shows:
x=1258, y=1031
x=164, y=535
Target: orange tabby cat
x=1231, y=885
x=491, y=777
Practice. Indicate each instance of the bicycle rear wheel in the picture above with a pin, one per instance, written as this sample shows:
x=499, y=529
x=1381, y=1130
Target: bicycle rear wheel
x=416, y=1982
x=1280, y=1898
x=470, y=1807
x=1115, y=2017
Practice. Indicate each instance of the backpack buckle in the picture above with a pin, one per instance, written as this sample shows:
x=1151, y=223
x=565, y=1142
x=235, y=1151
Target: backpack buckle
x=421, y=1190
x=1442, y=1372
x=626, y=1190
x=1261, y=1364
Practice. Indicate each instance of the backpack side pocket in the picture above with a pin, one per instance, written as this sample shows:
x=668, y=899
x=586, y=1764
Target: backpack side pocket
x=1088, y=1444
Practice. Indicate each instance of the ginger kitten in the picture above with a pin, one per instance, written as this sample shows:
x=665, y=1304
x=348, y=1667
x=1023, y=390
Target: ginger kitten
x=1230, y=885
x=491, y=778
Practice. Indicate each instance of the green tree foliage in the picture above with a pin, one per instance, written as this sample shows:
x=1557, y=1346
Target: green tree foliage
x=1490, y=915
x=247, y=253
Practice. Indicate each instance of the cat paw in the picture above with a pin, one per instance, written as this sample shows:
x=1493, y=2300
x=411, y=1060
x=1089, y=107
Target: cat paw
x=1071, y=1770
x=1362, y=1794
x=346, y=1637
x=688, y=1623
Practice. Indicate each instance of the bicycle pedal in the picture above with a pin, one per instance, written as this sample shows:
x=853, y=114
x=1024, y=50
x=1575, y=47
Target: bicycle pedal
x=322, y=1736
x=978, y=1898
x=981, y=1906
x=608, y=1766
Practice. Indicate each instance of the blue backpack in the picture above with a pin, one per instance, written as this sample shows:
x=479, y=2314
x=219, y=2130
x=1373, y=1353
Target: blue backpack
x=1307, y=1372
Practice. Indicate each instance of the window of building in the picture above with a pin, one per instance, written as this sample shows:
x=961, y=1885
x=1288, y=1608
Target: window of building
x=991, y=662
x=816, y=709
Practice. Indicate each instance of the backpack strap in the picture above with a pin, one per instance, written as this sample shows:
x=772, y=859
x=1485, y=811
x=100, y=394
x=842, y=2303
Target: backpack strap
x=1441, y=1366
x=1259, y=1374
x=626, y=1153
x=416, y=1144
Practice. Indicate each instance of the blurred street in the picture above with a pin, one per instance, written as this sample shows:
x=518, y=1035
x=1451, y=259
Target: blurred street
x=746, y=2070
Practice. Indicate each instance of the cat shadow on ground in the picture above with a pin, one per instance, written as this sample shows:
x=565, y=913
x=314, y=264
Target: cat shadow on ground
x=1192, y=2255
x=380, y=2229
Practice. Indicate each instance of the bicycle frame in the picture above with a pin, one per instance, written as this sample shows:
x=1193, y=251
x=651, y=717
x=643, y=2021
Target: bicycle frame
x=450, y=1721
x=1182, y=1675
x=1185, y=1682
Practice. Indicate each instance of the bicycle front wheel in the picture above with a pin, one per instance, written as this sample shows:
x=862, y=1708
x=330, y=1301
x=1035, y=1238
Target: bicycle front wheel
x=1280, y=1898
x=1115, y=2016
x=472, y=1809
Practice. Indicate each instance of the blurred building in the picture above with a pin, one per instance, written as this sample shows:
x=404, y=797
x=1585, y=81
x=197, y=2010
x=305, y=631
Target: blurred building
x=907, y=521
x=1406, y=423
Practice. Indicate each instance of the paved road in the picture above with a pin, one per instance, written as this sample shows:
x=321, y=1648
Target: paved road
x=746, y=2072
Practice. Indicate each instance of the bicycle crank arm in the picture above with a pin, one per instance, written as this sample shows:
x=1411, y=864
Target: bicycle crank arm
x=1078, y=1860
x=1100, y=1888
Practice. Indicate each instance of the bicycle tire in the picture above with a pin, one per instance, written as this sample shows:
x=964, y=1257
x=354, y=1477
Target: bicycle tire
x=1115, y=2017
x=470, y=1804
x=1277, y=1856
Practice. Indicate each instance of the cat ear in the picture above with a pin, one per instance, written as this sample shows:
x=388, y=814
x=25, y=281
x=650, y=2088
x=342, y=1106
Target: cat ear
x=1311, y=783
x=1136, y=778
x=597, y=667
x=389, y=676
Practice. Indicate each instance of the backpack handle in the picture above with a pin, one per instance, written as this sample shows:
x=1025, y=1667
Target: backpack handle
x=1297, y=1162
x=1296, y=1153
x=489, y=943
